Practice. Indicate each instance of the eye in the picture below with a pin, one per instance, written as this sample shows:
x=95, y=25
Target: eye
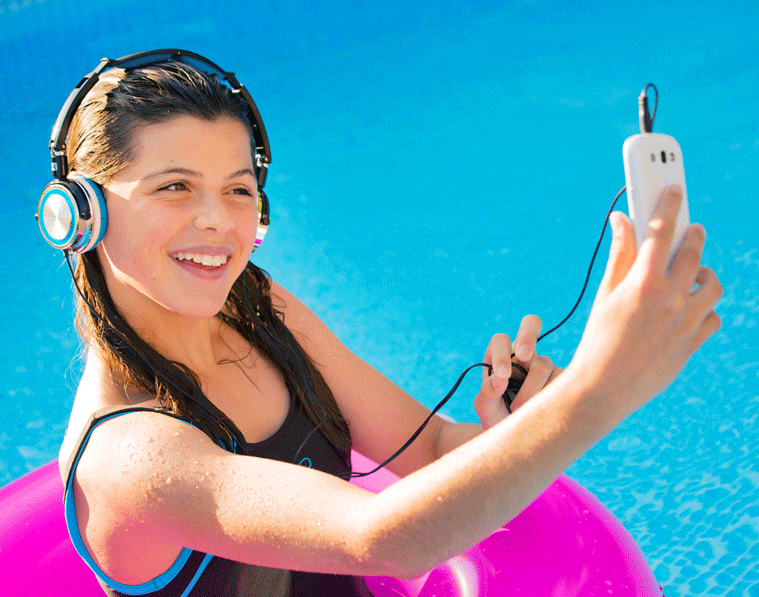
x=242, y=191
x=174, y=186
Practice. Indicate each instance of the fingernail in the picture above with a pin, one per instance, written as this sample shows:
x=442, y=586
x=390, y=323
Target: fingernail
x=499, y=379
x=676, y=189
x=523, y=353
x=614, y=223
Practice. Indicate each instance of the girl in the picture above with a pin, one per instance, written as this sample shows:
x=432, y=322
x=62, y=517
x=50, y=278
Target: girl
x=207, y=383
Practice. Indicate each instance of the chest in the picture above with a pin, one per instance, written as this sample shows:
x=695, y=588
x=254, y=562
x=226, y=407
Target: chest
x=252, y=393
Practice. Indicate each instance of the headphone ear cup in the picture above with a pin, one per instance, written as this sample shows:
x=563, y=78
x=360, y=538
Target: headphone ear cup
x=72, y=215
x=99, y=214
x=263, y=218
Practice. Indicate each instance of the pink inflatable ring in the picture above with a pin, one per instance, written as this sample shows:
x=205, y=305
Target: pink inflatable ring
x=566, y=543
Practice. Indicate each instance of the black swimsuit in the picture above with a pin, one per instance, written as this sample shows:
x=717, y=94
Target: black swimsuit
x=196, y=574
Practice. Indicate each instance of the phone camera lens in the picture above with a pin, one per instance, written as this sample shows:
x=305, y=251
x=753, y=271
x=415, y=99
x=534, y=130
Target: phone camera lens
x=664, y=157
x=671, y=157
x=653, y=157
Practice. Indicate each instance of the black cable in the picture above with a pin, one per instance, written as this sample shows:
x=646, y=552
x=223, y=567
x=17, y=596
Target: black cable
x=423, y=425
x=646, y=123
x=514, y=383
x=590, y=268
x=645, y=118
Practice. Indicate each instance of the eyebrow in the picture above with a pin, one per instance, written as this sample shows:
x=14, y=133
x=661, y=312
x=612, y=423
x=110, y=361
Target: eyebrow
x=196, y=174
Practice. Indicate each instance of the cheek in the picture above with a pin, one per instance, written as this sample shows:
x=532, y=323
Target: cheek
x=122, y=256
x=247, y=230
x=131, y=241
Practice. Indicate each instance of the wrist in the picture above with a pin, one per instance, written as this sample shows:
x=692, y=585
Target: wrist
x=594, y=400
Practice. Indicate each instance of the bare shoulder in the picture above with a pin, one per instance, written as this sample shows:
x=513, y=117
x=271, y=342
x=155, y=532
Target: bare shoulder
x=131, y=453
x=96, y=390
x=137, y=469
x=122, y=449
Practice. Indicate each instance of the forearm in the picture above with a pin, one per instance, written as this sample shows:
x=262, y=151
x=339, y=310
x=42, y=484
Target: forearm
x=452, y=435
x=455, y=502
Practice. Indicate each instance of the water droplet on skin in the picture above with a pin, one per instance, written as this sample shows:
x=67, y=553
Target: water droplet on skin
x=169, y=480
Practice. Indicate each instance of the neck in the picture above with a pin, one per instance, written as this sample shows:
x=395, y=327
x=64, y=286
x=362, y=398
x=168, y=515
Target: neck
x=195, y=342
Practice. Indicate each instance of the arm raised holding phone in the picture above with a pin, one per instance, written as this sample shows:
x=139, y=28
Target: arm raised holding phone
x=645, y=324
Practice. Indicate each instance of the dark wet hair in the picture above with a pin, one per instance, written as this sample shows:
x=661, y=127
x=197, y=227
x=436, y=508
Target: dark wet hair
x=100, y=143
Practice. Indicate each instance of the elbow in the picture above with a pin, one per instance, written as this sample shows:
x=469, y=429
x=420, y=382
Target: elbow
x=379, y=561
x=385, y=550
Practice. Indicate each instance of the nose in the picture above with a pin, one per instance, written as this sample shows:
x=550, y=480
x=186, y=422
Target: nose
x=212, y=213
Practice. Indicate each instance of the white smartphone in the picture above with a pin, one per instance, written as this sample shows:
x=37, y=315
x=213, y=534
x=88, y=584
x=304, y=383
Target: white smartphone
x=652, y=162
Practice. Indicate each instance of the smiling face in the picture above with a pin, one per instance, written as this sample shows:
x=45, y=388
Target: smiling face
x=182, y=218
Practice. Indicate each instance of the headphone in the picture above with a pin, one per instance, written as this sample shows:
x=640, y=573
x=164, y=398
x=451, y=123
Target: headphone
x=72, y=213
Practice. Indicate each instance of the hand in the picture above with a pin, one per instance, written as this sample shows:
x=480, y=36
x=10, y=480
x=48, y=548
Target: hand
x=645, y=321
x=489, y=402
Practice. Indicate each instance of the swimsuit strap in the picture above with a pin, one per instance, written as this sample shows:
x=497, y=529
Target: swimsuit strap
x=95, y=419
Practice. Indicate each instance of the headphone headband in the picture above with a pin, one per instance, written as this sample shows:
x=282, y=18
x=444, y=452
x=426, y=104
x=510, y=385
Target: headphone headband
x=139, y=60
x=72, y=213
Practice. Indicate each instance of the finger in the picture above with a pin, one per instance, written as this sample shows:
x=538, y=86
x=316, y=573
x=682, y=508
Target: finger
x=621, y=253
x=490, y=409
x=699, y=320
x=527, y=338
x=521, y=398
x=498, y=355
x=661, y=229
x=687, y=262
x=709, y=290
x=709, y=326
x=541, y=368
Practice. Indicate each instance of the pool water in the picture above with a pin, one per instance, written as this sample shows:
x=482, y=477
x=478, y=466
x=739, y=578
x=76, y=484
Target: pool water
x=438, y=173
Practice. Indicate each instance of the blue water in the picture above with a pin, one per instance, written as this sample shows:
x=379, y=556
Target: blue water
x=440, y=171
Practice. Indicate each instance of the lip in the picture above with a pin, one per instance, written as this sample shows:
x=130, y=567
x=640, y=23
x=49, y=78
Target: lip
x=199, y=272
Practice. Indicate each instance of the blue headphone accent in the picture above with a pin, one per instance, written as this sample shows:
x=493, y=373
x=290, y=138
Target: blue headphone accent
x=71, y=213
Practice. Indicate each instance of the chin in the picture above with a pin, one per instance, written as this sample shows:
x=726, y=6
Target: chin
x=199, y=309
x=203, y=312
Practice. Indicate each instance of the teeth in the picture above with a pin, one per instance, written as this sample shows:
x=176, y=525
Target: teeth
x=214, y=261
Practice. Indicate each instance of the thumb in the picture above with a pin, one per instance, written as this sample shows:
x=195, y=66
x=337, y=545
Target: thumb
x=489, y=404
x=621, y=253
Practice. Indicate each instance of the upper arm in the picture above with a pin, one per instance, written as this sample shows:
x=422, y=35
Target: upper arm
x=148, y=479
x=381, y=415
